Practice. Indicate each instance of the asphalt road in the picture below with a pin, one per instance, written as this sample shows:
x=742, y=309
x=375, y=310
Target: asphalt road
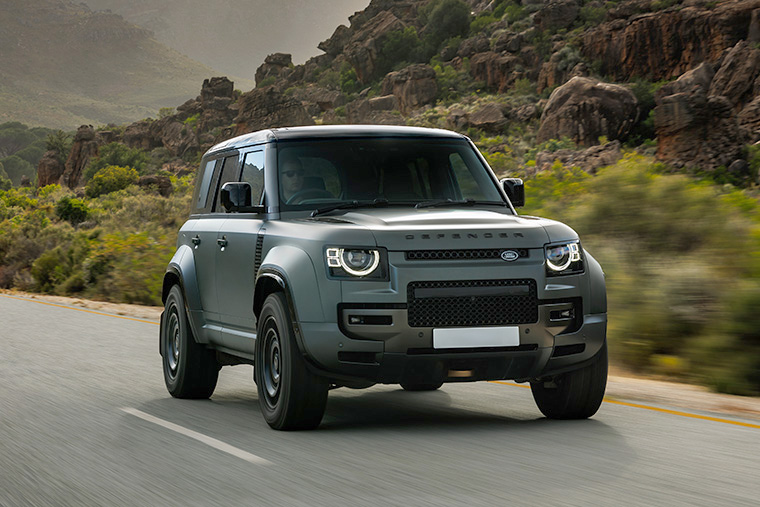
x=86, y=420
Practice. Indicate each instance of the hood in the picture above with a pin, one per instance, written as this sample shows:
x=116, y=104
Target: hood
x=447, y=229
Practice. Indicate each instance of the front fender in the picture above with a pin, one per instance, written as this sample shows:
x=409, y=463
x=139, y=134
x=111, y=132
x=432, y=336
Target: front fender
x=299, y=274
x=597, y=286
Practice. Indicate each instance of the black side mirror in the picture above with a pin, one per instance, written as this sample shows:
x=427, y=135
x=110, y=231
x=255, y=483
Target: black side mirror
x=236, y=196
x=515, y=191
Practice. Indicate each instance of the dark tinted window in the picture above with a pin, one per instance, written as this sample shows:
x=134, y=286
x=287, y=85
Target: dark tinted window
x=253, y=173
x=201, y=197
x=229, y=173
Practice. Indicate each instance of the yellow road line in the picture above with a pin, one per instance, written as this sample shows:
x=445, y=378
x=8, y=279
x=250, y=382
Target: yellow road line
x=655, y=409
x=80, y=309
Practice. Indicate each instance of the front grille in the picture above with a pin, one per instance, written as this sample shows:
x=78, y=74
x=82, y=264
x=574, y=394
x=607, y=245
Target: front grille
x=472, y=303
x=461, y=255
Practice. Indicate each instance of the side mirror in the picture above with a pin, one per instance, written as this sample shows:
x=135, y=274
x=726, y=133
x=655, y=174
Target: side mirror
x=515, y=191
x=236, y=196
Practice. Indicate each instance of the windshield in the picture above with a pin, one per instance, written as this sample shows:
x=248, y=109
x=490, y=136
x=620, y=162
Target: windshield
x=405, y=171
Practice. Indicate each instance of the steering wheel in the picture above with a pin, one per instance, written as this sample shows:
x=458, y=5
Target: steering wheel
x=308, y=193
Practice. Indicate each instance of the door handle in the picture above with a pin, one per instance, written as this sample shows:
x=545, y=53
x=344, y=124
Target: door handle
x=196, y=240
x=222, y=242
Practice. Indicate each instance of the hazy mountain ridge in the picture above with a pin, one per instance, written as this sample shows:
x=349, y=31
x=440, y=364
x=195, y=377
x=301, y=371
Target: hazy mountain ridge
x=234, y=36
x=64, y=65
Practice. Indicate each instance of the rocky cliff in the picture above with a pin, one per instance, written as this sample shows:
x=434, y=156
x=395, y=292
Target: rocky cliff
x=563, y=69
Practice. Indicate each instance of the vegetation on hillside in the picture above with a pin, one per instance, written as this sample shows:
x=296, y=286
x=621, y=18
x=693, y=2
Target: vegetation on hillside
x=680, y=251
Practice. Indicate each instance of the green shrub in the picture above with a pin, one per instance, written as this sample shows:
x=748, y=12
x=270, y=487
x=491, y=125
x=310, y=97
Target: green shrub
x=117, y=154
x=72, y=210
x=165, y=112
x=444, y=19
x=59, y=142
x=110, y=179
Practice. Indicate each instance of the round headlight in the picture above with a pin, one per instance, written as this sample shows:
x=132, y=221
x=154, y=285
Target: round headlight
x=559, y=257
x=359, y=262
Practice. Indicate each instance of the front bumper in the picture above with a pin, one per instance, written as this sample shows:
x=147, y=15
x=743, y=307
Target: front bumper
x=397, y=353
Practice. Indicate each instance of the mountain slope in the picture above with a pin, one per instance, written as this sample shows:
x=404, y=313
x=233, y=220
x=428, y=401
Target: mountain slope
x=235, y=35
x=64, y=65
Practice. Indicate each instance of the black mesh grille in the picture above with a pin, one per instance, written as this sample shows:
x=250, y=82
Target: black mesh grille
x=480, y=303
x=463, y=255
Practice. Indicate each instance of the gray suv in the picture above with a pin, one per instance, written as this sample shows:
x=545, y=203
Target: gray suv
x=345, y=256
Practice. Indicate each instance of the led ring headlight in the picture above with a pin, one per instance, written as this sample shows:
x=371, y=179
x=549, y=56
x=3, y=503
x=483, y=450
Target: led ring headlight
x=560, y=257
x=354, y=261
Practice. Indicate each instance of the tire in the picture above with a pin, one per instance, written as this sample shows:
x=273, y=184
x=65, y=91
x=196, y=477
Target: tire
x=190, y=369
x=578, y=394
x=421, y=387
x=290, y=396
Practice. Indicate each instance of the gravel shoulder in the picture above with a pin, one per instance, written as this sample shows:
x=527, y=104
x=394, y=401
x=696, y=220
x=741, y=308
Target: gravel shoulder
x=620, y=386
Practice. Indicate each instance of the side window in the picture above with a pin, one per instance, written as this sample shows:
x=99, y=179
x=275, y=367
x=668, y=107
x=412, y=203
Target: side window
x=253, y=173
x=208, y=172
x=229, y=173
x=468, y=186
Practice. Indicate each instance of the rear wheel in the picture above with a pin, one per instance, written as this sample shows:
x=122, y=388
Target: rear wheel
x=576, y=394
x=290, y=396
x=421, y=387
x=190, y=369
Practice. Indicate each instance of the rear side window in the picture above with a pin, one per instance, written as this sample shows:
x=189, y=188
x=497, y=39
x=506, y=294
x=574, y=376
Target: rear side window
x=253, y=173
x=229, y=173
x=208, y=172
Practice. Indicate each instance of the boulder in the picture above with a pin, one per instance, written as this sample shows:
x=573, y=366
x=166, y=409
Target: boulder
x=508, y=41
x=50, y=169
x=413, y=86
x=556, y=14
x=496, y=70
x=525, y=113
x=735, y=79
x=162, y=184
x=176, y=136
x=275, y=65
x=138, y=135
x=363, y=47
x=335, y=44
x=216, y=88
x=267, y=108
x=489, y=117
x=696, y=130
x=584, y=109
x=589, y=159
x=85, y=147
x=473, y=45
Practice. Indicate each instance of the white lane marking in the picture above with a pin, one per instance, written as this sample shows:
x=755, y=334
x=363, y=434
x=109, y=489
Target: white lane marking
x=216, y=444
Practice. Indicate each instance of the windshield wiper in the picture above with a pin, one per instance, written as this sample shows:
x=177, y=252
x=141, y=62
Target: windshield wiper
x=377, y=203
x=451, y=202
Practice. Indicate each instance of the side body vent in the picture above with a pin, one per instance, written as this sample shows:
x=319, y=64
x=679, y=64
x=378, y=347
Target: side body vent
x=257, y=256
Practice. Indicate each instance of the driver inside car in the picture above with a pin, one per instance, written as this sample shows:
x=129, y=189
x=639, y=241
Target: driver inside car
x=291, y=177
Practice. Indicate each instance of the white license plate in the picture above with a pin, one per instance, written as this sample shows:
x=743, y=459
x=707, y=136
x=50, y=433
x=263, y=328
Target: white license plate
x=472, y=337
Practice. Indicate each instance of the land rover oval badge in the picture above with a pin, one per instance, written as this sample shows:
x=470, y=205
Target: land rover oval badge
x=509, y=255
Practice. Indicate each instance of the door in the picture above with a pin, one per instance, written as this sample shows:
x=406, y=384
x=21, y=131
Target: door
x=236, y=262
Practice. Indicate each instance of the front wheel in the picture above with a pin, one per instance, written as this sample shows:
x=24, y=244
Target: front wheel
x=190, y=369
x=576, y=394
x=290, y=396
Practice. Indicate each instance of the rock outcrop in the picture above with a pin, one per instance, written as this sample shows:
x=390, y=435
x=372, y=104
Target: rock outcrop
x=363, y=47
x=275, y=66
x=413, y=86
x=583, y=109
x=50, y=169
x=704, y=118
x=267, y=108
x=663, y=45
x=85, y=147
